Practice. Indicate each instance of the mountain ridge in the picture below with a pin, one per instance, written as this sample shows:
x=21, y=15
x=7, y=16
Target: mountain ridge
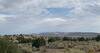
x=70, y=34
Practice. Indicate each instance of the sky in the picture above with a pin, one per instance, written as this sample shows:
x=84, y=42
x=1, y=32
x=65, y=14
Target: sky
x=35, y=16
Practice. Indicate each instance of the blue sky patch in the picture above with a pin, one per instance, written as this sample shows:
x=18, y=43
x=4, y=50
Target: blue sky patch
x=59, y=11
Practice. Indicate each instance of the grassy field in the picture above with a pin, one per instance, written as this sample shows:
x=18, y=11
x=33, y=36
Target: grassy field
x=71, y=47
x=66, y=47
x=52, y=45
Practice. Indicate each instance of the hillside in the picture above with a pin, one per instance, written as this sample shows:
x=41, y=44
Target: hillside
x=70, y=34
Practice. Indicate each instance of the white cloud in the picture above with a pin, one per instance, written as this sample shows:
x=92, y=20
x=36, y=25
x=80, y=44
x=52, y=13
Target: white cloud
x=71, y=23
x=2, y=19
x=32, y=15
x=51, y=21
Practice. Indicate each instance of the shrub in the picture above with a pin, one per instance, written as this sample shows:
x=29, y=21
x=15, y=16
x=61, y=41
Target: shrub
x=97, y=38
x=66, y=38
x=81, y=39
x=53, y=39
x=38, y=42
x=8, y=47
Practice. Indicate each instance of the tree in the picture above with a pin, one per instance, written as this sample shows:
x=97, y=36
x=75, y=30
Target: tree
x=66, y=39
x=53, y=39
x=81, y=39
x=38, y=42
x=97, y=38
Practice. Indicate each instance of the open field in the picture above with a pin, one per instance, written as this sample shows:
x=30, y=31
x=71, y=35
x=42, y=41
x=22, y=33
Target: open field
x=68, y=47
x=42, y=44
x=72, y=47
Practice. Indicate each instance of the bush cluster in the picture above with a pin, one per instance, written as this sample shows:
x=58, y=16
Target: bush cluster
x=8, y=47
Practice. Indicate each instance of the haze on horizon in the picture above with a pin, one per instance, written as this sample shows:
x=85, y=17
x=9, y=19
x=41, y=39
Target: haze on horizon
x=34, y=16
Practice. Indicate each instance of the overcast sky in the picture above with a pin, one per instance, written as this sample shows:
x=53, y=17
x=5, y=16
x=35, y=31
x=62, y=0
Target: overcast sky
x=34, y=16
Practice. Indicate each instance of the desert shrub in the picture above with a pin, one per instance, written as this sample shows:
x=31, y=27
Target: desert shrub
x=81, y=39
x=73, y=39
x=21, y=39
x=91, y=50
x=25, y=41
x=88, y=39
x=97, y=38
x=38, y=42
x=66, y=38
x=8, y=47
x=58, y=38
x=53, y=39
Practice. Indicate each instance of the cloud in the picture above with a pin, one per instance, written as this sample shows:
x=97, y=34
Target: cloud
x=3, y=18
x=30, y=8
x=49, y=15
x=51, y=22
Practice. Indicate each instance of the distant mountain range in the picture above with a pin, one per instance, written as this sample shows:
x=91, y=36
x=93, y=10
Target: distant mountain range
x=69, y=34
x=61, y=34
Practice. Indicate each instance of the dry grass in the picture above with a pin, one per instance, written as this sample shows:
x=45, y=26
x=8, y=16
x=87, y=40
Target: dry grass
x=72, y=47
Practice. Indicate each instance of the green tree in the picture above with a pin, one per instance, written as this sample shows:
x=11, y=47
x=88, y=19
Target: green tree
x=97, y=38
x=66, y=38
x=38, y=42
x=81, y=39
x=53, y=39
